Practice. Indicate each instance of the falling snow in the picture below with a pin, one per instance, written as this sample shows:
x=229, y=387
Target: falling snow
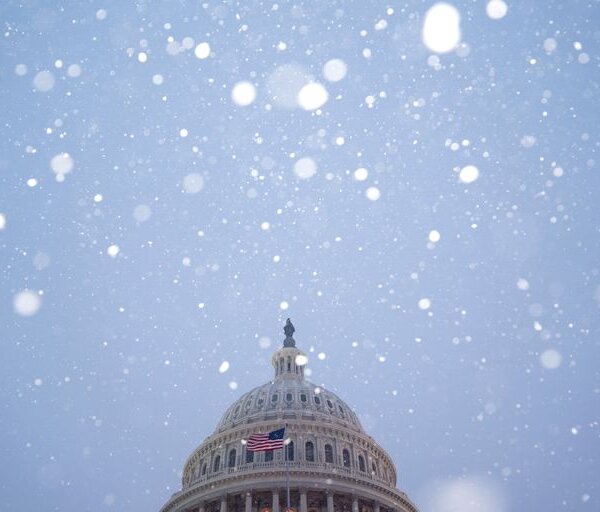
x=414, y=184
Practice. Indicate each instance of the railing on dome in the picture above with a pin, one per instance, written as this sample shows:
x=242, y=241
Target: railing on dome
x=297, y=465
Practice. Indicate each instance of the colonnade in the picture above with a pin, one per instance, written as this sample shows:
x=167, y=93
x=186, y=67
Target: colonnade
x=223, y=503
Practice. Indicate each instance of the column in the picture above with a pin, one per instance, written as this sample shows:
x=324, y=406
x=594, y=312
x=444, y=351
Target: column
x=329, y=502
x=354, y=504
x=249, y=502
x=376, y=506
x=223, y=503
x=303, y=501
x=275, y=507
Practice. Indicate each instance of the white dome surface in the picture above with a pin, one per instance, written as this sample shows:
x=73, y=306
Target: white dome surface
x=289, y=399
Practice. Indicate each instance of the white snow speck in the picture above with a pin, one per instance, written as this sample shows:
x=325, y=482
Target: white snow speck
x=528, y=141
x=32, y=182
x=264, y=342
x=312, y=96
x=441, y=28
x=224, y=367
x=373, y=193
x=101, y=14
x=243, y=93
x=321, y=356
x=2, y=221
x=142, y=57
x=158, y=79
x=468, y=174
x=43, y=81
x=27, y=303
x=193, y=183
x=202, y=51
x=74, y=70
x=551, y=359
x=183, y=133
x=522, y=284
x=361, y=174
x=550, y=45
x=142, y=213
x=21, y=69
x=305, y=168
x=424, y=304
x=335, y=70
x=496, y=9
x=113, y=250
x=61, y=164
x=283, y=305
x=233, y=385
x=301, y=360
x=434, y=236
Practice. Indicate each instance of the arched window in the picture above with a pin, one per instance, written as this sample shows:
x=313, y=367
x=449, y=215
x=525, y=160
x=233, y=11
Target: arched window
x=249, y=456
x=231, y=462
x=303, y=397
x=288, y=397
x=281, y=365
x=361, y=464
x=329, y=453
x=374, y=466
x=290, y=451
x=309, y=451
x=204, y=469
x=346, y=458
x=217, y=464
x=269, y=456
x=289, y=364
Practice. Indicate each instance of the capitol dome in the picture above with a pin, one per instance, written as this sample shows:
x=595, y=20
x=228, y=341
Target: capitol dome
x=328, y=463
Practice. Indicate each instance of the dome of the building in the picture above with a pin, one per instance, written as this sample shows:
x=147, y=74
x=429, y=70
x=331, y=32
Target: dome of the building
x=289, y=399
x=328, y=463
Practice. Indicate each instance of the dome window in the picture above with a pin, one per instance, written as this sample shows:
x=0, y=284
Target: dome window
x=329, y=404
x=361, y=464
x=346, y=458
x=260, y=401
x=317, y=400
x=303, y=397
x=288, y=397
x=341, y=409
x=204, y=469
x=274, y=398
x=374, y=466
x=329, y=453
x=309, y=451
x=217, y=464
x=231, y=462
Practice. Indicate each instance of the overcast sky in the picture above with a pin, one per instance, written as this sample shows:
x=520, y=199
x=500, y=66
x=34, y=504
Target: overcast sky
x=417, y=189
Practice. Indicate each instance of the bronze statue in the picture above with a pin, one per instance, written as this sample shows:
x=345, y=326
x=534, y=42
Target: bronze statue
x=289, y=329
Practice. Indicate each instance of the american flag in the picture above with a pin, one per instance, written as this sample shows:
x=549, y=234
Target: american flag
x=266, y=442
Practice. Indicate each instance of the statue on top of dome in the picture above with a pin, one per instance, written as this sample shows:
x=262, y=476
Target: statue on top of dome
x=289, y=333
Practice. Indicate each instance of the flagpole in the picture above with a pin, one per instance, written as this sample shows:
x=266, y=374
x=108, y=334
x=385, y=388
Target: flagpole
x=287, y=467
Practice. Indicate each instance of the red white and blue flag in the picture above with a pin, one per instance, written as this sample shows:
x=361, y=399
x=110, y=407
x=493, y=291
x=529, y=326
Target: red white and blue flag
x=266, y=442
